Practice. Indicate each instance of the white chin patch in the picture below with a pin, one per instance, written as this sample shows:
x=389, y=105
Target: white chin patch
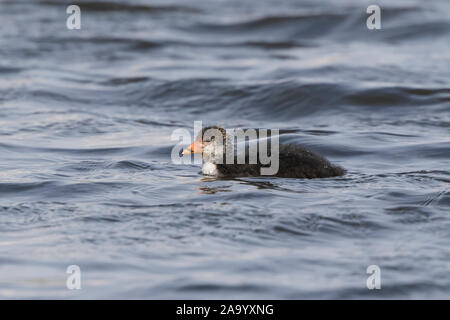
x=210, y=169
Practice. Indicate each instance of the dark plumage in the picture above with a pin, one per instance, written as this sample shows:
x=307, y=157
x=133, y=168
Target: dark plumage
x=294, y=162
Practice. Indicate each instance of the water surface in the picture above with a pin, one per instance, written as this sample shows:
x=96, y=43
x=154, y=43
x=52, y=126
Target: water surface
x=86, y=176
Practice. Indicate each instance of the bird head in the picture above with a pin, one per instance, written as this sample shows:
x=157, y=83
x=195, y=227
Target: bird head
x=209, y=142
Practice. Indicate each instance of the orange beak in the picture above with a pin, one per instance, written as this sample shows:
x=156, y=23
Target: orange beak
x=196, y=147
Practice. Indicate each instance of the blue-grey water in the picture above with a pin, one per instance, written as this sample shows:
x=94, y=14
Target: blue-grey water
x=86, y=177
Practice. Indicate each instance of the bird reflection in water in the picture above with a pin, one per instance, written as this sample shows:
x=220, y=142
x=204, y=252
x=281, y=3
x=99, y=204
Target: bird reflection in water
x=225, y=188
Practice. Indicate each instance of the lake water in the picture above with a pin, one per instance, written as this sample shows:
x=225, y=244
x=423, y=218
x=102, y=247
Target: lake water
x=86, y=177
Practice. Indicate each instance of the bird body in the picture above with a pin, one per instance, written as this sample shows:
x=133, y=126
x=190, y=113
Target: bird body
x=293, y=160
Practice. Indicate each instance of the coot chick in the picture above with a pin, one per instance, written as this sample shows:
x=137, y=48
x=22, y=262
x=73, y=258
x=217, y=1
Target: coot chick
x=294, y=160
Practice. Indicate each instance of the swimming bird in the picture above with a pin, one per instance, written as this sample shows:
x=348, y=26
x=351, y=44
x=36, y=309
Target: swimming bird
x=294, y=161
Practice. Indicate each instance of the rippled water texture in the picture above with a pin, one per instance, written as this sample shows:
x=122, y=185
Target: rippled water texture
x=86, y=177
